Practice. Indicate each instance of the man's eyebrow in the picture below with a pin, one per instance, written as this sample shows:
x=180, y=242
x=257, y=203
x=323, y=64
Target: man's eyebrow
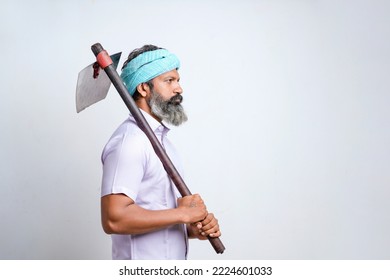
x=172, y=77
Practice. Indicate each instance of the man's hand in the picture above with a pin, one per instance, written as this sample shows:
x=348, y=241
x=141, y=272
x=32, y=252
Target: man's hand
x=192, y=208
x=208, y=227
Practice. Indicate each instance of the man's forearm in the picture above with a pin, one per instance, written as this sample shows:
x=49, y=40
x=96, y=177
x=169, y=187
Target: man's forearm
x=133, y=219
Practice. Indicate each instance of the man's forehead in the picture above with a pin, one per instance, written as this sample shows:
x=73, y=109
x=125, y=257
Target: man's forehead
x=170, y=74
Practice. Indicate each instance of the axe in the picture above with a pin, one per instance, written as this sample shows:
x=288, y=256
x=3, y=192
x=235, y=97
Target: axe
x=93, y=86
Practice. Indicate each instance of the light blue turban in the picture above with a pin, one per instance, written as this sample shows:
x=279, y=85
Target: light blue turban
x=147, y=66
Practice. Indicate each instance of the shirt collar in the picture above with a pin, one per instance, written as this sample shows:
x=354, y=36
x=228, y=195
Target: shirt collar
x=155, y=125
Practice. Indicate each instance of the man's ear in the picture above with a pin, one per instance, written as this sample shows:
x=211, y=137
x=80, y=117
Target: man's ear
x=143, y=89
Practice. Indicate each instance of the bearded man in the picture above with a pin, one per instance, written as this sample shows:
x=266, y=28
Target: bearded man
x=140, y=206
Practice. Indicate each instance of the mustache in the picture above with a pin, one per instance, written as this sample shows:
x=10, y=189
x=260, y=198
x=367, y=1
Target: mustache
x=176, y=100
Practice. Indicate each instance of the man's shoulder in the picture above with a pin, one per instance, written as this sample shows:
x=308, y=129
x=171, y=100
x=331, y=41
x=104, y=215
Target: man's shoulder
x=129, y=126
x=128, y=145
x=129, y=131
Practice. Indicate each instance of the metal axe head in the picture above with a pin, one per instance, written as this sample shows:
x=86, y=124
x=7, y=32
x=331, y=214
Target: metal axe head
x=93, y=84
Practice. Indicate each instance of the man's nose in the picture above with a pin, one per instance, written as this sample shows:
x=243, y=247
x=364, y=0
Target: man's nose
x=178, y=89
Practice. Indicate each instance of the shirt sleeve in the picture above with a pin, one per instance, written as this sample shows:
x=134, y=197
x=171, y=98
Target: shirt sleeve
x=123, y=165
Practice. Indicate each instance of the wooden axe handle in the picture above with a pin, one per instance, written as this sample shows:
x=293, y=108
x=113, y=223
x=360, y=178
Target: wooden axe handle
x=104, y=61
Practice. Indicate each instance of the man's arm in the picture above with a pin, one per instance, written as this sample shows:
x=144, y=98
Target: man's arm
x=121, y=215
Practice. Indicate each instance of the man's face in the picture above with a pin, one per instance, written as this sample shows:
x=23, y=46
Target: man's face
x=165, y=98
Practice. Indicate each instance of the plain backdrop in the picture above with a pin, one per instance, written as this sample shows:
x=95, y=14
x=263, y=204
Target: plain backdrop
x=288, y=132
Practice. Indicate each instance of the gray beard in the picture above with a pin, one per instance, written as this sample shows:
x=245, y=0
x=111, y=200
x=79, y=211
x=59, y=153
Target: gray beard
x=170, y=110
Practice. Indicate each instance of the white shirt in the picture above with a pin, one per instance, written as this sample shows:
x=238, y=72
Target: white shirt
x=131, y=167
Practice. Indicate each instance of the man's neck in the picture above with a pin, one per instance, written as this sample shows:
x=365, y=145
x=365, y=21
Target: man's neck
x=142, y=104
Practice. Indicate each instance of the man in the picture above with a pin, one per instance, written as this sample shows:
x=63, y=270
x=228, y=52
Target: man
x=140, y=205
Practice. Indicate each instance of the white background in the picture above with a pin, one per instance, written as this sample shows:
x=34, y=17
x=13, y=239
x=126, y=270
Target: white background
x=288, y=137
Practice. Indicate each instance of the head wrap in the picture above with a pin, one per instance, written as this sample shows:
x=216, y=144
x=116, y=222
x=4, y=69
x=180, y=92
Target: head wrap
x=147, y=66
